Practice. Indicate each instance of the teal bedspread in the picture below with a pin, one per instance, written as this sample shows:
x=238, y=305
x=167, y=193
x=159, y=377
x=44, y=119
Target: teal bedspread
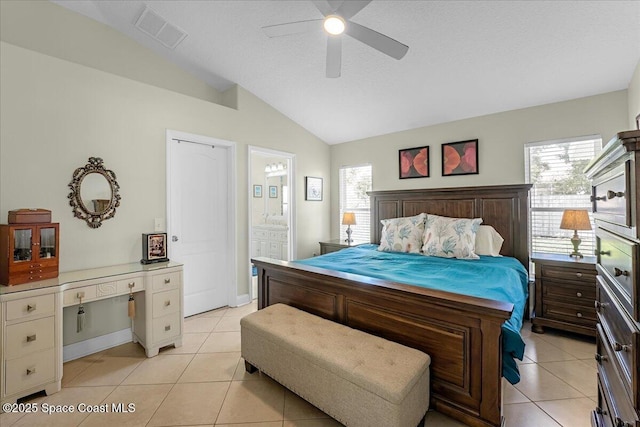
x=498, y=278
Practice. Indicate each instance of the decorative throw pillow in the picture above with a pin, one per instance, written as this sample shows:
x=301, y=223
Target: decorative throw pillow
x=450, y=237
x=402, y=234
x=488, y=241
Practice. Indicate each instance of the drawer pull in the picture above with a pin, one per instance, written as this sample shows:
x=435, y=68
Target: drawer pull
x=617, y=272
x=167, y=328
x=620, y=423
x=579, y=294
x=614, y=194
x=80, y=295
x=578, y=274
x=600, y=305
x=167, y=281
x=578, y=314
x=621, y=347
x=131, y=285
x=595, y=199
x=31, y=371
x=31, y=338
x=31, y=308
x=600, y=358
x=607, y=253
x=167, y=303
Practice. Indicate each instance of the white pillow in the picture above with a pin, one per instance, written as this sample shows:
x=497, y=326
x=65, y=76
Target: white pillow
x=402, y=234
x=450, y=237
x=488, y=241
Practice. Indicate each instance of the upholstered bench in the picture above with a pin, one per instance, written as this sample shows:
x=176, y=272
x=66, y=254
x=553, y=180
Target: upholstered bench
x=357, y=378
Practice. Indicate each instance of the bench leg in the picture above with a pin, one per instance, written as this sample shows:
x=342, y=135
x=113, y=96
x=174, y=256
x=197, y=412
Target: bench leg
x=423, y=421
x=249, y=367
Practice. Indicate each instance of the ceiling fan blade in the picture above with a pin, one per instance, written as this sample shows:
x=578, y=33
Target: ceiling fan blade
x=323, y=6
x=334, y=56
x=350, y=8
x=280, y=30
x=378, y=41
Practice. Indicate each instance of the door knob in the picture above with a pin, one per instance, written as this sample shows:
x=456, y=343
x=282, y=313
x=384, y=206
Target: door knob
x=174, y=238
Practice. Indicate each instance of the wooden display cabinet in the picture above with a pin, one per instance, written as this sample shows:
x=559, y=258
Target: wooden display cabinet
x=28, y=252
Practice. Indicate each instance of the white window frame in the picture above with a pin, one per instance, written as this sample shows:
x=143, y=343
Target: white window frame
x=362, y=230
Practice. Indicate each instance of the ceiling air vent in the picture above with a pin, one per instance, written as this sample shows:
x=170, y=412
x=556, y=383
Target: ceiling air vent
x=157, y=27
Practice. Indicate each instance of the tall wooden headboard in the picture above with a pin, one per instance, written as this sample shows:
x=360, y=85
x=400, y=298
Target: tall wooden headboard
x=505, y=207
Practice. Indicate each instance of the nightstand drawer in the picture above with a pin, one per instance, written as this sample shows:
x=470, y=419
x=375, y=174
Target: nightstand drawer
x=570, y=293
x=586, y=274
x=567, y=312
x=620, y=332
x=166, y=327
x=162, y=282
x=166, y=303
x=29, y=308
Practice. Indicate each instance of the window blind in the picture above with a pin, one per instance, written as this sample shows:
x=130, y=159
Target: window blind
x=555, y=168
x=355, y=181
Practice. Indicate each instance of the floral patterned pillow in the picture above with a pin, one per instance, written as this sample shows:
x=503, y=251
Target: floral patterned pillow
x=402, y=234
x=450, y=237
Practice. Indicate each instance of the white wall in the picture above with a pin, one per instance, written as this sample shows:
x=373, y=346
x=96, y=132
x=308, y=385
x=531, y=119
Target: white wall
x=634, y=98
x=501, y=143
x=56, y=114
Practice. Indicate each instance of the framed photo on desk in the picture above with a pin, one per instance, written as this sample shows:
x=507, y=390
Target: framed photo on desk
x=154, y=248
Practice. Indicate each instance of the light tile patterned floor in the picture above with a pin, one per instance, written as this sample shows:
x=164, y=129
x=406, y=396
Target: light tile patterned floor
x=204, y=383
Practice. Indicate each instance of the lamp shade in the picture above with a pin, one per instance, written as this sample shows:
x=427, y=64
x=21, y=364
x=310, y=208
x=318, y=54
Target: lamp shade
x=348, y=218
x=575, y=220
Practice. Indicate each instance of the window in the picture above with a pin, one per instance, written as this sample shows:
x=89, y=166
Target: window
x=555, y=168
x=355, y=181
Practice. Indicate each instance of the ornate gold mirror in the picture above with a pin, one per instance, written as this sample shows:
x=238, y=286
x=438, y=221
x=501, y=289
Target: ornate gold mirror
x=94, y=193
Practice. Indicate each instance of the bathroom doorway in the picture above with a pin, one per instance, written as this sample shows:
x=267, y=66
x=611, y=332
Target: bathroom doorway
x=271, y=207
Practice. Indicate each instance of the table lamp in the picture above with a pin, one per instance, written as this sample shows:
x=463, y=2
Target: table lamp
x=575, y=220
x=349, y=219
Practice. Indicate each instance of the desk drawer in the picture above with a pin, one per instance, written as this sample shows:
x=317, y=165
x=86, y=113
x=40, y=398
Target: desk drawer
x=71, y=296
x=29, y=308
x=616, y=259
x=30, y=371
x=29, y=337
x=623, y=337
x=610, y=196
x=166, y=303
x=136, y=282
x=618, y=398
x=166, y=327
x=166, y=281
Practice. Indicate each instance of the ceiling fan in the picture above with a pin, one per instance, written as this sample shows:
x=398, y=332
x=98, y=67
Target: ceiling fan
x=336, y=21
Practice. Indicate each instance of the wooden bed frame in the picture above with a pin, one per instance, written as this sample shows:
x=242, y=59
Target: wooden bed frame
x=462, y=334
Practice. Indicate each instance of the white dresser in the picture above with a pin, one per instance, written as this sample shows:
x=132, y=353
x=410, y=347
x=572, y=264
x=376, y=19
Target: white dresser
x=31, y=319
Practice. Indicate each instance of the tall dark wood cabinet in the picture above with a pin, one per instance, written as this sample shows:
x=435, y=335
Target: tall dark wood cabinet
x=614, y=175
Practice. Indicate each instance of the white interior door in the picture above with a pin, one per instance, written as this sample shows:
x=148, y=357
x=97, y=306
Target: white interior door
x=199, y=223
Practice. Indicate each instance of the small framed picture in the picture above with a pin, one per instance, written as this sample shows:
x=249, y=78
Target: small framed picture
x=273, y=192
x=257, y=191
x=154, y=248
x=313, y=188
x=460, y=158
x=414, y=162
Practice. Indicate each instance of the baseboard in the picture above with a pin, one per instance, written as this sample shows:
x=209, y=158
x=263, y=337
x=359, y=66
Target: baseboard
x=242, y=300
x=94, y=345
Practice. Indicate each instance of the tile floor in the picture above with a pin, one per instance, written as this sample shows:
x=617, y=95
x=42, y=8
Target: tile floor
x=204, y=383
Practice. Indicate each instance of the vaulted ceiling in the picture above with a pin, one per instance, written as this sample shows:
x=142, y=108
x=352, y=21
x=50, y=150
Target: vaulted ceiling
x=465, y=58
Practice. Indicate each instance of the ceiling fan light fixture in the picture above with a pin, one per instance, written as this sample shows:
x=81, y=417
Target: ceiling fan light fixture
x=334, y=25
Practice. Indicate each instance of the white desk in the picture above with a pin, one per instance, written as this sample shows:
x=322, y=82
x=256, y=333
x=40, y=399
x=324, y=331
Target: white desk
x=31, y=319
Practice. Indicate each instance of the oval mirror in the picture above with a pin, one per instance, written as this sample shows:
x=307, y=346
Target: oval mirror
x=94, y=193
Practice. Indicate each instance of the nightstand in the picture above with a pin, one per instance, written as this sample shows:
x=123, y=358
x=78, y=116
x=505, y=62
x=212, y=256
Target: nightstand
x=565, y=293
x=337, y=244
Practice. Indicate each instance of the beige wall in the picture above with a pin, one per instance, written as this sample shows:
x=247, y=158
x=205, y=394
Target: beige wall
x=55, y=114
x=501, y=143
x=634, y=97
